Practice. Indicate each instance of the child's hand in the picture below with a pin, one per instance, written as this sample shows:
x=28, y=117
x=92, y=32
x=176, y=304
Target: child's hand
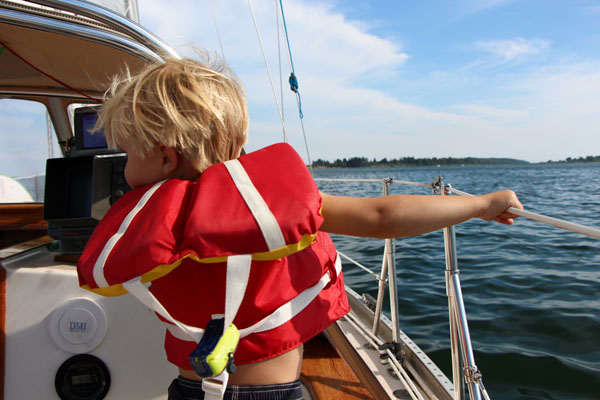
x=496, y=205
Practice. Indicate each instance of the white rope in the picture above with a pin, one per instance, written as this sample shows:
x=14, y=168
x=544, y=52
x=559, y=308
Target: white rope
x=285, y=137
x=377, y=277
x=483, y=391
x=559, y=223
x=212, y=9
x=348, y=180
x=400, y=371
x=392, y=180
x=393, y=362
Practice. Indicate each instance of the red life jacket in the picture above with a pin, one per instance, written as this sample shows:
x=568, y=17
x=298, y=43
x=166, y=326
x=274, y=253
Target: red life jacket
x=183, y=235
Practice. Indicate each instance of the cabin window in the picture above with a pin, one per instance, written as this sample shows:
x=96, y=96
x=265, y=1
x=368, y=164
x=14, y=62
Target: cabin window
x=27, y=139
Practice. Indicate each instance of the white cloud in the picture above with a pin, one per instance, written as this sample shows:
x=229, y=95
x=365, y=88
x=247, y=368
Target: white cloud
x=513, y=49
x=345, y=117
x=563, y=101
x=489, y=112
x=547, y=113
x=344, y=49
x=322, y=40
x=332, y=56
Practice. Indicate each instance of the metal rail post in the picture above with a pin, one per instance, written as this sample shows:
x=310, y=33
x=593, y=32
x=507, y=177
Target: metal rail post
x=390, y=262
x=380, y=292
x=384, y=271
x=454, y=339
x=388, y=266
x=459, y=328
x=390, y=247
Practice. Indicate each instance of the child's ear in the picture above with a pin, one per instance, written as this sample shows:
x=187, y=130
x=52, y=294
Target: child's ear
x=169, y=159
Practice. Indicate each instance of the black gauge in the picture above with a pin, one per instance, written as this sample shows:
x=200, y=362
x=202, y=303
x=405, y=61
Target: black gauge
x=82, y=377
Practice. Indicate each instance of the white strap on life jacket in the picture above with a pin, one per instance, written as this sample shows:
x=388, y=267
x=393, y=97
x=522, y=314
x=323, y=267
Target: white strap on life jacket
x=293, y=307
x=215, y=386
x=143, y=294
x=238, y=272
x=98, y=271
x=258, y=207
x=279, y=317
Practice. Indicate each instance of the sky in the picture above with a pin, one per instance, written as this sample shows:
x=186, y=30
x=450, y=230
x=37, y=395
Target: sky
x=428, y=78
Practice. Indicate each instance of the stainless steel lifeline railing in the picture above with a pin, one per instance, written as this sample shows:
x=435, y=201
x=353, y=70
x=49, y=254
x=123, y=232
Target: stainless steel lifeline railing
x=464, y=369
x=460, y=339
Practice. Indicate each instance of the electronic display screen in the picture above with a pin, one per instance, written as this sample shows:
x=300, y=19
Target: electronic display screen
x=85, y=137
x=91, y=140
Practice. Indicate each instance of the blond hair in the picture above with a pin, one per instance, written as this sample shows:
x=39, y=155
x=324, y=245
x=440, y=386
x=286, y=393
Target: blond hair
x=197, y=109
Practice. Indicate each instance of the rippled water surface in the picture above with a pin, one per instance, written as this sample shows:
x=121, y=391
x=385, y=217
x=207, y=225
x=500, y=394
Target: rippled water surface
x=532, y=291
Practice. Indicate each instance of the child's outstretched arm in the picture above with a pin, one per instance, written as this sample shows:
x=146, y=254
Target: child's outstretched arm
x=408, y=215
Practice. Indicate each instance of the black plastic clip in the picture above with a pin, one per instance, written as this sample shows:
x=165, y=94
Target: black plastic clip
x=436, y=185
x=394, y=347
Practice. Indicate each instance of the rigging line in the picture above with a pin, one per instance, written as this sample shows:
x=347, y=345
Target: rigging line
x=48, y=75
x=212, y=9
x=279, y=59
x=285, y=137
x=359, y=265
x=559, y=223
x=286, y=37
x=294, y=85
x=304, y=133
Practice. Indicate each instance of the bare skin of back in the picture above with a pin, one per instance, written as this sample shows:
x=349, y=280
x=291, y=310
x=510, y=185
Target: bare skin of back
x=281, y=369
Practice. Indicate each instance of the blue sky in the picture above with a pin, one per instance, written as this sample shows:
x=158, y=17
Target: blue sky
x=488, y=78
x=491, y=78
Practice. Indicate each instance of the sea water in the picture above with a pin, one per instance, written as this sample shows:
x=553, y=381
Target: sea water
x=531, y=291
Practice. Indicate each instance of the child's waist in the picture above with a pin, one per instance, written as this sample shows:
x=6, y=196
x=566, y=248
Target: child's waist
x=280, y=369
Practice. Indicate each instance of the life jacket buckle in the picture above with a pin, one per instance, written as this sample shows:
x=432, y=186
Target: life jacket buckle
x=215, y=386
x=215, y=350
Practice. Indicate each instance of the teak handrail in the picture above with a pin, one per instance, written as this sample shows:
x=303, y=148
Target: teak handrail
x=22, y=216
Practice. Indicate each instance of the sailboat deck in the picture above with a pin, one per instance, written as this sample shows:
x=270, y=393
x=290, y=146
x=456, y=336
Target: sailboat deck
x=327, y=376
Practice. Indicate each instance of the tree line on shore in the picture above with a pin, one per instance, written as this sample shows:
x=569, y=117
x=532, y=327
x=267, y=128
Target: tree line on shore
x=363, y=162
x=579, y=159
x=358, y=162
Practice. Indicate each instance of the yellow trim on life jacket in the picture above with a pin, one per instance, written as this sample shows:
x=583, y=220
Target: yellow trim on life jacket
x=161, y=270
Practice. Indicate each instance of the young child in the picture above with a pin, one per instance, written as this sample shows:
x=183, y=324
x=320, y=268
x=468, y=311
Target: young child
x=189, y=221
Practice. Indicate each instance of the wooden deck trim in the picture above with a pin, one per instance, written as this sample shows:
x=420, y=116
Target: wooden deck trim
x=327, y=376
x=22, y=216
x=20, y=222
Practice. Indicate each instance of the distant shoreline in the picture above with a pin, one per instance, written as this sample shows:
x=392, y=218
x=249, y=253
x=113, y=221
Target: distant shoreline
x=363, y=162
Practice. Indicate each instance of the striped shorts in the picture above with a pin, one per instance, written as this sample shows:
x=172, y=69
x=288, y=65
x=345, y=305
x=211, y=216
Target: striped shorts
x=187, y=389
